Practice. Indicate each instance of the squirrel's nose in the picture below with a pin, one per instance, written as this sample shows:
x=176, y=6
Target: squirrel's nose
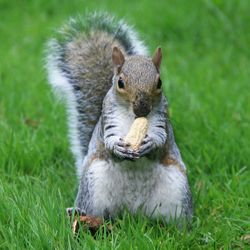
x=142, y=112
x=142, y=105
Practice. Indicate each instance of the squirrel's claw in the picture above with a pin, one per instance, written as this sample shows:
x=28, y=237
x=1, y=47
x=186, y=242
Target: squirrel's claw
x=122, y=143
x=146, y=146
x=122, y=150
x=73, y=211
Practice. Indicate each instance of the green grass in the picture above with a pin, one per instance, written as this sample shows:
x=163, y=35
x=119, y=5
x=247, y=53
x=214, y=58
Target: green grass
x=206, y=69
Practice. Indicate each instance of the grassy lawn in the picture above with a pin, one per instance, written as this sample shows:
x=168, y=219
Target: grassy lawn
x=206, y=73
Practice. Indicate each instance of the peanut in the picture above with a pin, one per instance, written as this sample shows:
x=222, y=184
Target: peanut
x=137, y=132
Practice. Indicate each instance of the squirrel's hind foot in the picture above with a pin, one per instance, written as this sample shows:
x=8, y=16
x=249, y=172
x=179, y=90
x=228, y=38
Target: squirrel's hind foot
x=85, y=222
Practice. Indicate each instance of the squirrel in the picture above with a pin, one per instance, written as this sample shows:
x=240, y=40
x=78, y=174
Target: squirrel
x=104, y=73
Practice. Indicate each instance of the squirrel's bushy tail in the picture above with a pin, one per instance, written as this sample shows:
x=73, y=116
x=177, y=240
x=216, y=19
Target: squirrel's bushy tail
x=80, y=68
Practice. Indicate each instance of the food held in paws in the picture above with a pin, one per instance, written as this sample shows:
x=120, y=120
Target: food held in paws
x=137, y=132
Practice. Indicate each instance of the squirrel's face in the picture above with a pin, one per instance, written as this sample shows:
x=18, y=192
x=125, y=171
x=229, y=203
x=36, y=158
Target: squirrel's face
x=137, y=80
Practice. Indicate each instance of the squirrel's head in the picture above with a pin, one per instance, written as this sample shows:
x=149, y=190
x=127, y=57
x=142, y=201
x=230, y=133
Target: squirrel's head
x=137, y=80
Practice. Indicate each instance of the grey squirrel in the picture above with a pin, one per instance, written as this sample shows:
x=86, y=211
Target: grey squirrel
x=103, y=71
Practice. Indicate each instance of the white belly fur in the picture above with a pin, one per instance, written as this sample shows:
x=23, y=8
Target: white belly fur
x=155, y=189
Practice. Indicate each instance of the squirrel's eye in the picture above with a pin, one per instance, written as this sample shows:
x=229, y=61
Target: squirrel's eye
x=121, y=84
x=159, y=84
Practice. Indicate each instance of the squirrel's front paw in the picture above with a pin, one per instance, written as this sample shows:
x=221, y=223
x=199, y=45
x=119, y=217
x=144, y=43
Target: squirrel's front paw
x=122, y=150
x=146, y=146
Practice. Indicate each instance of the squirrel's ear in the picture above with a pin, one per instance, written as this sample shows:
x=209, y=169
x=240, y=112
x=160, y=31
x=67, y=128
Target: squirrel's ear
x=157, y=58
x=117, y=58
